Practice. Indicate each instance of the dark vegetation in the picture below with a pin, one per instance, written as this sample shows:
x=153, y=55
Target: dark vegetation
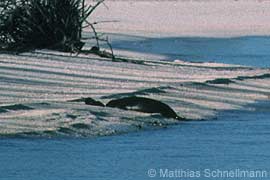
x=27, y=25
x=44, y=24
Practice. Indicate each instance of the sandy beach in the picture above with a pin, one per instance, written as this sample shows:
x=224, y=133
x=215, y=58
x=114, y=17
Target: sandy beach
x=165, y=30
x=36, y=86
x=207, y=60
x=210, y=18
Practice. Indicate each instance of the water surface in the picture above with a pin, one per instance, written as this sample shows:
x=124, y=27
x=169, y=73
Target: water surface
x=237, y=139
x=249, y=50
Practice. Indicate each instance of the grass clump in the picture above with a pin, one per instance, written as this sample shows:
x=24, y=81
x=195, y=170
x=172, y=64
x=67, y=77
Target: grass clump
x=38, y=24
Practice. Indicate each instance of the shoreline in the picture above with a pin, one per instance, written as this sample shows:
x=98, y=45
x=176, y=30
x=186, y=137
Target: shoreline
x=38, y=84
x=245, y=50
x=41, y=108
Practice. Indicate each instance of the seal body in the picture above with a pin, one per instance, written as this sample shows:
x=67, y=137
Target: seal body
x=92, y=102
x=144, y=105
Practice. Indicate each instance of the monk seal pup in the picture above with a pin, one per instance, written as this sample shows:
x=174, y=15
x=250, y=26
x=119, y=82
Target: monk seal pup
x=144, y=105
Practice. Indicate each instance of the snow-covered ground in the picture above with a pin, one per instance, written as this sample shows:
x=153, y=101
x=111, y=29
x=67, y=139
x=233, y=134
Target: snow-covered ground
x=35, y=87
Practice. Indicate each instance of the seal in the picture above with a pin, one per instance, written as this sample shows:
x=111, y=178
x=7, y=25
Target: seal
x=145, y=105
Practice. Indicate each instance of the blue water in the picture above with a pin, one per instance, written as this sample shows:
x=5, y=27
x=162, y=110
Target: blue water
x=249, y=50
x=238, y=139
